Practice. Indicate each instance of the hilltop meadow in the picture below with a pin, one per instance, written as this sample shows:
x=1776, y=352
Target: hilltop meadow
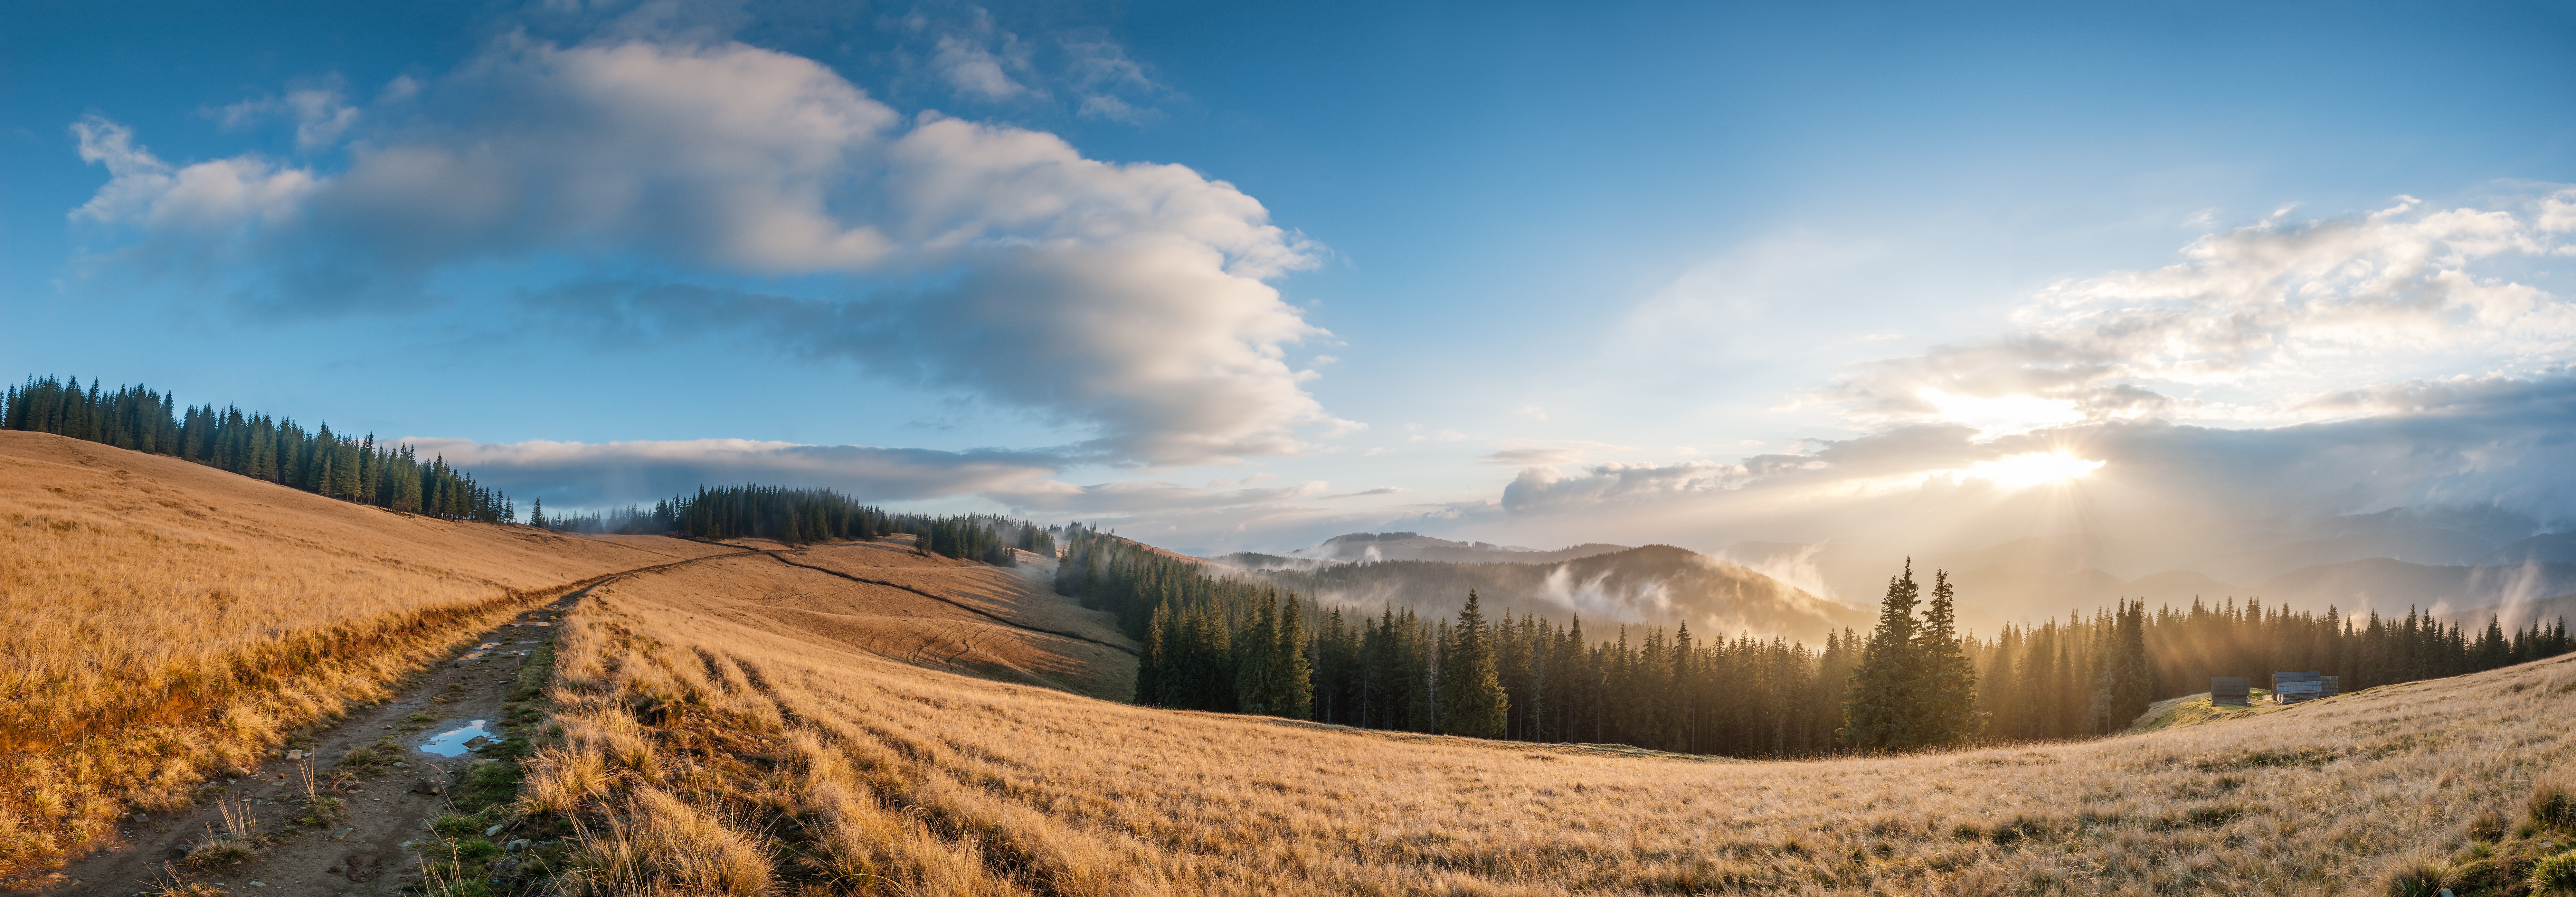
x=707, y=756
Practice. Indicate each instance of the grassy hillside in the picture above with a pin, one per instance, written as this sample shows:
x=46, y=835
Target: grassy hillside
x=983, y=621
x=739, y=755
x=160, y=618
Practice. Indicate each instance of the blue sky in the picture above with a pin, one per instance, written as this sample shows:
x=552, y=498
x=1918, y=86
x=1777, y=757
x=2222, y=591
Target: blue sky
x=1556, y=273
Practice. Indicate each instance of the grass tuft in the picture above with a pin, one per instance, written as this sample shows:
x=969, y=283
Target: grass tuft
x=2417, y=875
x=2552, y=805
x=2555, y=874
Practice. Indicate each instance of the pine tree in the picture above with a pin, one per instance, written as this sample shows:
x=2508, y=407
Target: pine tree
x=1471, y=686
x=2123, y=683
x=1256, y=653
x=1149, y=663
x=1946, y=711
x=1293, y=688
x=1878, y=709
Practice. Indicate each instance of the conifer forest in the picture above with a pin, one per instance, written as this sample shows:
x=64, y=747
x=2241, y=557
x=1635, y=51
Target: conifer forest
x=1235, y=644
x=255, y=445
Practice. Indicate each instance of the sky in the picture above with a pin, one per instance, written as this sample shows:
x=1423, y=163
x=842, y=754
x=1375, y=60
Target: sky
x=1246, y=276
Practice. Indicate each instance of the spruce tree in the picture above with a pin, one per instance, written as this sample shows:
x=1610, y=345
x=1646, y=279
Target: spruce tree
x=1878, y=708
x=2124, y=683
x=1471, y=684
x=1256, y=650
x=1946, y=712
x=1293, y=687
x=1149, y=662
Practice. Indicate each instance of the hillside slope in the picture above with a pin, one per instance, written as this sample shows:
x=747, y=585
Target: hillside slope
x=794, y=762
x=159, y=618
x=923, y=610
x=162, y=620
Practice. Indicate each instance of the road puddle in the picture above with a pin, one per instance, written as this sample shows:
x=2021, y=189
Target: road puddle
x=452, y=742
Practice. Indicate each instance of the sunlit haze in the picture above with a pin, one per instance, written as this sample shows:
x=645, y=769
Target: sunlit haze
x=2033, y=469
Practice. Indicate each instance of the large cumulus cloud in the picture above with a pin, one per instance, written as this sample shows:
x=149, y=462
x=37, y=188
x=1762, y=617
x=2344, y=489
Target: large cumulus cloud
x=1128, y=301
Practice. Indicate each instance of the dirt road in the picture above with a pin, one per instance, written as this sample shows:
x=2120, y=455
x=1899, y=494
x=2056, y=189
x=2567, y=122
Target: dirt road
x=387, y=765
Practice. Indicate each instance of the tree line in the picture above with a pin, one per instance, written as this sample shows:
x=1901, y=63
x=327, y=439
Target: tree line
x=803, y=517
x=274, y=449
x=1224, y=643
x=2078, y=677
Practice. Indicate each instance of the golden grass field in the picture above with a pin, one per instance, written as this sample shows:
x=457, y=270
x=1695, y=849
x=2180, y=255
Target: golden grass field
x=712, y=752
x=159, y=619
x=832, y=614
x=744, y=726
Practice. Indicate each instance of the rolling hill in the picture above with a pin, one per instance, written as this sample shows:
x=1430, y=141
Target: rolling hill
x=801, y=764
x=161, y=621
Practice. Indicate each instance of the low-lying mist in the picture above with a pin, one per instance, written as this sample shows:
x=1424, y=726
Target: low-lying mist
x=1658, y=585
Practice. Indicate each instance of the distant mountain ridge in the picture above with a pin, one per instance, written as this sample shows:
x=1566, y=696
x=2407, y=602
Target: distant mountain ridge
x=2388, y=562
x=2454, y=563
x=1360, y=548
x=1657, y=585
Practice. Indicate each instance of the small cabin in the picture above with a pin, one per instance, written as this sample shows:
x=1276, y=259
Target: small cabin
x=2291, y=688
x=2236, y=690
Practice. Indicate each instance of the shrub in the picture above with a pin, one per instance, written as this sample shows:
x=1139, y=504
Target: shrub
x=2555, y=874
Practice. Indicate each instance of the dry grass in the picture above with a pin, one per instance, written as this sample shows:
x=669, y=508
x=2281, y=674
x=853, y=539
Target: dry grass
x=792, y=603
x=853, y=774
x=159, y=619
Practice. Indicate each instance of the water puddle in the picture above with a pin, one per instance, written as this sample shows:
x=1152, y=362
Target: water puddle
x=452, y=742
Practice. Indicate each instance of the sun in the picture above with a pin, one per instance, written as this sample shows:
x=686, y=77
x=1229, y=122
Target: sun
x=2029, y=469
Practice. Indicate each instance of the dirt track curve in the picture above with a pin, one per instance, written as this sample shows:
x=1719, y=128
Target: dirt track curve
x=363, y=853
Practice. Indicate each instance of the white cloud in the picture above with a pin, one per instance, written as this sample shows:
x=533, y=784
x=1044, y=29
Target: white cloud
x=980, y=60
x=208, y=199
x=1142, y=496
x=577, y=474
x=2250, y=321
x=1533, y=457
x=2143, y=496
x=1108, y=82
x=1126, y=301
x=321, y=114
